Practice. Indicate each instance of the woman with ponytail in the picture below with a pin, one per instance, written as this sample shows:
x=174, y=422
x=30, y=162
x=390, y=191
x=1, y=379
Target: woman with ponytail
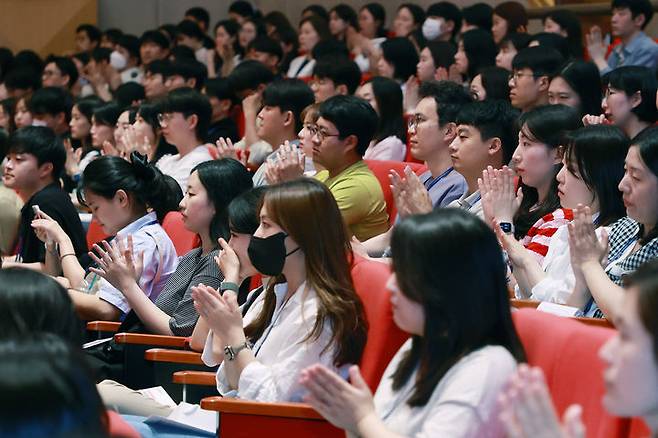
x=128, y=199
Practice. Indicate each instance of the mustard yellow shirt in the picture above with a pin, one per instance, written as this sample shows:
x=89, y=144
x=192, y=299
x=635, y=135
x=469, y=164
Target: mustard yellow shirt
x=360, y=199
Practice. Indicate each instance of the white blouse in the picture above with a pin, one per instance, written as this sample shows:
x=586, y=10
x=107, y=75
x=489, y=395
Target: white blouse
x=557, y=285
x=463, y=404
x=281, y=352
x=391, y=148
x=295, y=65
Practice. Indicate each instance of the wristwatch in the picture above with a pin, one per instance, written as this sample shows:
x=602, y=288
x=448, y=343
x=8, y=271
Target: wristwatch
x=507, y=227
x=232, y=351
x=228, y=285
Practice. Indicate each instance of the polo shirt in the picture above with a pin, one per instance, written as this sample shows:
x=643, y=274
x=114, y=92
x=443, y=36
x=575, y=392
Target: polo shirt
x=360, y=199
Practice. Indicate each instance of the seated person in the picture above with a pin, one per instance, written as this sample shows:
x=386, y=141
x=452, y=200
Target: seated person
x=59, y=71
x=486, y=136
x=153, y=46
x=630, y=358
x=334, y=75
x=119, y=194
x=51, y=107
x=632, y=241
x=629, y=19
x=185, y=73
x=282, y=331
x=184, y=122
x=154, y=79
x=535, y=213
x=221, y=99
x=593, y=166
x=445, y=380
x=385, y=97
x=56, y=389
x=34, y=164
x=266, y=51
x=532, y=71
x=343, y=132
x=10, y=213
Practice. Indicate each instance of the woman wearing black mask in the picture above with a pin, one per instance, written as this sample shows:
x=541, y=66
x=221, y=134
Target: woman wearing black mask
x=309, y=311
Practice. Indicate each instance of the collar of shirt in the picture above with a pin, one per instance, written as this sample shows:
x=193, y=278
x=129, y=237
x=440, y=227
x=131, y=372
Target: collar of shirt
x=147, y=219
x=468, y=201
x=633, y=45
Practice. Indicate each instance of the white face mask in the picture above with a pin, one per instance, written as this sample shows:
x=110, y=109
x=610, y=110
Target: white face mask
x=36, y=122
x=432, y=28
x=117, y=60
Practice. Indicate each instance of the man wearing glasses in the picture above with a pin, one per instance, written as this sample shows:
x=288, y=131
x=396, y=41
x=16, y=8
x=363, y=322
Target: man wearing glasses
x=340, y=138
x=532, y=71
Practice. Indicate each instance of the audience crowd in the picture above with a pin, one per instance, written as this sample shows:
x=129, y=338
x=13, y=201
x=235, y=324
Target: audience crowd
x=476, y=162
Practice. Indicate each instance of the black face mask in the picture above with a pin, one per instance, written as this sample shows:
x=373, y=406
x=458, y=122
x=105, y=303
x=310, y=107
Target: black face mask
x=268, y=254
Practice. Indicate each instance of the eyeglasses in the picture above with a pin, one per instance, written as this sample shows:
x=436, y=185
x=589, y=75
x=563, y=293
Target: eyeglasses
x=164, y=119
x=415, y=120
x=315, y=130
x=517, y=74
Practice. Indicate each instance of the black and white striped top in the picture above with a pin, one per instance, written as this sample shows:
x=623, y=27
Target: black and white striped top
x=176, y=297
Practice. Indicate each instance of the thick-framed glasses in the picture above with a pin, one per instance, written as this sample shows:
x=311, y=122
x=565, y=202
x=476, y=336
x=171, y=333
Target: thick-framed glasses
x=517, y=74
x=315, y=130
x=164, y=118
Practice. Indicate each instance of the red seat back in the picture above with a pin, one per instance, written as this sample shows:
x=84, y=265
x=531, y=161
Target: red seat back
x=381, y=169
x=384, y=336
x=567, y=352
x=183, y=239
x=238, y=118
x=95, y=233
x=119, y=428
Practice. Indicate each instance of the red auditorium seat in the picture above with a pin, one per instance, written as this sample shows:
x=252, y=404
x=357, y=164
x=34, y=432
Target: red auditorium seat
x=95, y=233
x=381, y=169
x=184, y=241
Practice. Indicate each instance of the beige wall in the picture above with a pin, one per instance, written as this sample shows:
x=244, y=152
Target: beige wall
x=46, y=26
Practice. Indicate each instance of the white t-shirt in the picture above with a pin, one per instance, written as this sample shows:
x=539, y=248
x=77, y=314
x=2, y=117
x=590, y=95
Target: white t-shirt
x=391, y=148
x=180, y=167
x=463, y=405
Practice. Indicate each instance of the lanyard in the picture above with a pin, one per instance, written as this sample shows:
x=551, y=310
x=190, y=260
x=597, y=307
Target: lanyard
x=275, y=319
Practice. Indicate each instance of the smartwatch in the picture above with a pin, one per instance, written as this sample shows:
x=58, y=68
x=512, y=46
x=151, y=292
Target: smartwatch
x=507, y=227
x=232, y=351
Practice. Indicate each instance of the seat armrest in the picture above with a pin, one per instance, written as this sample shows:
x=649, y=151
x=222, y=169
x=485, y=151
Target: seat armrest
x=520, y=304
x=103, y=326
x=247, y=407
x=175, y=356
x=597, y=322
x=155, y=340
x=204, y=378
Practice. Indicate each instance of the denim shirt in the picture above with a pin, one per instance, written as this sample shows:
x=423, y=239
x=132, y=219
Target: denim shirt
x=641, y=50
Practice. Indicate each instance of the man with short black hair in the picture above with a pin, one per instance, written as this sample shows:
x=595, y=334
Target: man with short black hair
x=51, y=107
x=185, y=73
x=153, y=45
x=21, y=81
x=59, y=72
x=221, y=99
x=266, y=51
x=155, y=73
x=87, y=37
x=343, y=132
x=628, y=21
x=34, y=164
x=200, y=16
x=334, y=75
x=184, y=121
x=532, y=71
x=191, y=35
x=486, y=136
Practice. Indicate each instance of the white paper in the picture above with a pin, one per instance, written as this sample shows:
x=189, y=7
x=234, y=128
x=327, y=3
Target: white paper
x=557, y=309
x=159, y=395
x=189, y=417
x=96, y=342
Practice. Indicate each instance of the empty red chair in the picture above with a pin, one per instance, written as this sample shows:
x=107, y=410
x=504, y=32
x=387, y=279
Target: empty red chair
x=183, y=239
x=95, y=233
x=567, y=352
x=381, y=169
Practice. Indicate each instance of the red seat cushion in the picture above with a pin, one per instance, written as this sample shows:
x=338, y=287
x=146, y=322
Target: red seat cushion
x=567, y=351
x=183, y=239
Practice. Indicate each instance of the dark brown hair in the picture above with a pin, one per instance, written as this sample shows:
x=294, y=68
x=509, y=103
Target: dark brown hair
x=307, y=211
